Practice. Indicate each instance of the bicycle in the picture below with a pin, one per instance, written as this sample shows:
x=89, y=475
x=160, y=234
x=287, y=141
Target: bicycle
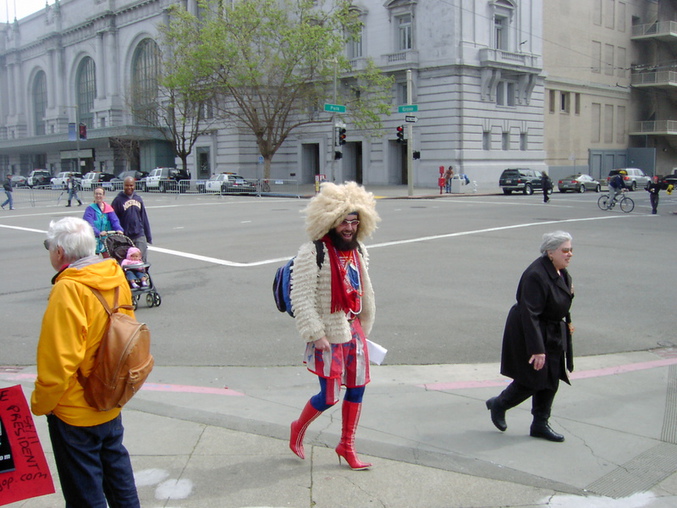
x=626, y=203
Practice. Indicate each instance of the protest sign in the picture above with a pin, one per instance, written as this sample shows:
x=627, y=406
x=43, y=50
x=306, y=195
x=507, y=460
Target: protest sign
x=24, y=472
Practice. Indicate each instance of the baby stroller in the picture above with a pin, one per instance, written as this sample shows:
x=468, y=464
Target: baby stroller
x=117, y=245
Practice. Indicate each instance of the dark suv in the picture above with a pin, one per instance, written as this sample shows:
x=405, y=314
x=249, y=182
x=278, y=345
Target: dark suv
x=520, y=179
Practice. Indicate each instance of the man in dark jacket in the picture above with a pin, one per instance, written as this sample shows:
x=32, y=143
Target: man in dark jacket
x=131, y=211
x=8, y=191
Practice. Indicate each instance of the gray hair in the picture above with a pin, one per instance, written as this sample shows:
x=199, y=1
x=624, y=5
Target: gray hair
x=75, y=236
x=552, y=240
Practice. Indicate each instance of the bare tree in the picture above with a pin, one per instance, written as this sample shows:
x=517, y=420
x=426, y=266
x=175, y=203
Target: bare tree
x=272, y=64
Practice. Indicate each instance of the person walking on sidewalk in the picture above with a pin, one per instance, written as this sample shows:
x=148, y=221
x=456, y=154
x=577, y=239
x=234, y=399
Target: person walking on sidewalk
x=7, y=185
x=93, y=464
x=72, y=187
x=537, y=339
x=333, y=303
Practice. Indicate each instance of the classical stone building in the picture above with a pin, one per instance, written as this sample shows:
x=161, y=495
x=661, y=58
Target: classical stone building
x=476, y=79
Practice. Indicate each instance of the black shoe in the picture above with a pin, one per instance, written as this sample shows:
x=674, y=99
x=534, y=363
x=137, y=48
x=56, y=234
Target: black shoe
x=497, y=415
x=543, y=430
x=68, y=205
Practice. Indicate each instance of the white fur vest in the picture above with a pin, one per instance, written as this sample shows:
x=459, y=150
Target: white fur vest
x=311, y=298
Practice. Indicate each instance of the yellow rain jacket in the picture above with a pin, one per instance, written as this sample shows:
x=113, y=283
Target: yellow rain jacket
x=72, y=328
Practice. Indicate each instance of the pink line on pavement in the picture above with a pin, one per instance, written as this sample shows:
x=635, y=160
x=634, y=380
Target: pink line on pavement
x=151, y=387
x=585, y=374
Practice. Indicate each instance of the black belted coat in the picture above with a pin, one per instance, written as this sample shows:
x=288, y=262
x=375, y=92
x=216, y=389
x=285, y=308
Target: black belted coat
x=537, y=324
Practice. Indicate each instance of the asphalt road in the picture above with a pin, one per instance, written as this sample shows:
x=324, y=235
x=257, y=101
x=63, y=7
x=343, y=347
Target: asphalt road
x=444, y=270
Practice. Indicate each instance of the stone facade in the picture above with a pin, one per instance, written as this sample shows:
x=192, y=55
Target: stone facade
x=476, y=77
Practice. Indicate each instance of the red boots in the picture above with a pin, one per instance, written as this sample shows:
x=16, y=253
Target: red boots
x=346, y=448
x=298, y=429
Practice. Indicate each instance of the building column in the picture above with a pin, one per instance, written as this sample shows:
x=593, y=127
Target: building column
x=101, y=66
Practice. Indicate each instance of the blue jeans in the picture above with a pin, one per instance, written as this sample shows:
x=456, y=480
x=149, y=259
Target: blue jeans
x=9, y=200
x=93, y=465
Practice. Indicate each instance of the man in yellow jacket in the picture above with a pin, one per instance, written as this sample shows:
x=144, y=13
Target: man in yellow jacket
x=93, y=464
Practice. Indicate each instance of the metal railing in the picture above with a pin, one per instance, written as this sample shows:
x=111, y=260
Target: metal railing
x=654, y=78
x=654, y=127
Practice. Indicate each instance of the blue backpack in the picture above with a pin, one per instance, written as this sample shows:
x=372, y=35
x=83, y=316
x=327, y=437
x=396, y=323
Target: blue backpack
x=282, y=280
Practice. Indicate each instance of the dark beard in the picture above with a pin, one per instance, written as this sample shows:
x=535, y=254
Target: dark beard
x=340, y=243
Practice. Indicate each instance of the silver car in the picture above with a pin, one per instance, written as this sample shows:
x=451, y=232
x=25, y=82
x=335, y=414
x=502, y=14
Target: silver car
x=578, y=183
x=633, y=177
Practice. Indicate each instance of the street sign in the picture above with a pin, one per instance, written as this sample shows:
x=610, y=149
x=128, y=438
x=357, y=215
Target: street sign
x=410, y=119
x=334, y=108
x=408, y=108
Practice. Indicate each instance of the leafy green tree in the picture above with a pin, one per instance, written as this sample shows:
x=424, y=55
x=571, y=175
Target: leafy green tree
x=272, y=64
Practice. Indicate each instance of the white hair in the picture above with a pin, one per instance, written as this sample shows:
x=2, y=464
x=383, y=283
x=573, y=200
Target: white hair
x=552, y=240
x=75, y=236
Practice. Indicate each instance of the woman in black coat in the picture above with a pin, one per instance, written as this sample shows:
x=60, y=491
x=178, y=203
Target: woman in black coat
x=537, y=338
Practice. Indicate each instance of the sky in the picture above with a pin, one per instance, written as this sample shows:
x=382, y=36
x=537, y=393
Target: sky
x=9, y=9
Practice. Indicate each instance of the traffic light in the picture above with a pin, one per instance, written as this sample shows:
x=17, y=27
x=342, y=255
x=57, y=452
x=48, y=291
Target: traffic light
x=338, y=155
x=400, y=133
x=83, y=132
x=342, y=136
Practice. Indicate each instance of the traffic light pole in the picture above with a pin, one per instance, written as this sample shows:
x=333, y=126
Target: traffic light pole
x=410, y=140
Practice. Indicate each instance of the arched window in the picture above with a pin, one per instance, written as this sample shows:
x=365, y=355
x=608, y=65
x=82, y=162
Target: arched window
x=85, y=89
x=145, y=74
x=39, y=103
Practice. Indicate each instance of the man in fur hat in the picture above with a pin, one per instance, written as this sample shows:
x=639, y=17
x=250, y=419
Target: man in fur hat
x=334, y=308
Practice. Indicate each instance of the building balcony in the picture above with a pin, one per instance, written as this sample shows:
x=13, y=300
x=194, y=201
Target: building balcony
x=654, y=128
x=656, y=79
x=499, y=59
x=400, y=60
x=665, y=31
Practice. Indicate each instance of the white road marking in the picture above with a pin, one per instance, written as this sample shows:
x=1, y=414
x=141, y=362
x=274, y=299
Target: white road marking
x=236, y=264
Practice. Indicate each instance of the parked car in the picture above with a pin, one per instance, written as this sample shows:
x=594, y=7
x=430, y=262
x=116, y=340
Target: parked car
x=118, y=182
x=19, y=181
x=578, y=183
x=634, y=178
x=39, y=177
x=59, y=181
x=520, y=179
x=94, y=179
x=671, y=178
x=164, y=179
x=229, y=183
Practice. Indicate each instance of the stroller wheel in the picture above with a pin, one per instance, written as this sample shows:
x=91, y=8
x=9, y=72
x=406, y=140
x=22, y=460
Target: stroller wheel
x=135, y=301
x=158, y=300
x=150, y=301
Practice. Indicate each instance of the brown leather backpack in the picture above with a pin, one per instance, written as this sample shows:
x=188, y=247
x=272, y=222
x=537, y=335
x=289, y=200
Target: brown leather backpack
x=122, y=362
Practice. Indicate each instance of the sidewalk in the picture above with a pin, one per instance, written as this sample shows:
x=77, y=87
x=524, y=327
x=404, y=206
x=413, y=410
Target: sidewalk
x=218, y=437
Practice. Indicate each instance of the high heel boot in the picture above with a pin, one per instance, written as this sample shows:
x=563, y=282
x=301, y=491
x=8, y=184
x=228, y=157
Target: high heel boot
x=346, y=447
x=298, y=429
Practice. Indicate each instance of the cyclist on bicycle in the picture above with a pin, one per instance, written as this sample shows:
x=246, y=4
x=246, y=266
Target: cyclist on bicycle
x=616, y=186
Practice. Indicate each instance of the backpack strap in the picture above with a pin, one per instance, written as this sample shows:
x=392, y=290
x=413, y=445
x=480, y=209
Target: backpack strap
x=319, y=252
x=81, y=377
x=103, y=301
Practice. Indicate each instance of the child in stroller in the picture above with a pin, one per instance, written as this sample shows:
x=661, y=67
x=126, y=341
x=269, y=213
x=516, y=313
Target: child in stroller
x=135, y=271
x=122, y=249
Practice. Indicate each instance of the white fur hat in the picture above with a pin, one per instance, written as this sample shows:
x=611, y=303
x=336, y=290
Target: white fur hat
x=327, y=209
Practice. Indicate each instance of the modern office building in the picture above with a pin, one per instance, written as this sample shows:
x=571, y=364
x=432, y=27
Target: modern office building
x=611, y=85
x=476, y=78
